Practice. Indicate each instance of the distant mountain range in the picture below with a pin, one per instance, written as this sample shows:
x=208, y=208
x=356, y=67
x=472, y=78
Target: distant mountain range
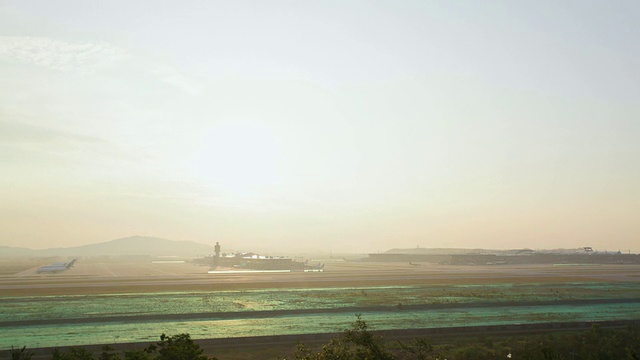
x=431, y=251
x=130, y=246
x=456, y=251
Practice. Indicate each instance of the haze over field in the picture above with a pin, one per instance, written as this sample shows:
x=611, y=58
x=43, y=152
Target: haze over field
x=343, y=126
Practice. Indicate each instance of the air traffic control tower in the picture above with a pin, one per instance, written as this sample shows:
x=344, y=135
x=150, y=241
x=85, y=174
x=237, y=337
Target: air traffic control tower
x=216, y=259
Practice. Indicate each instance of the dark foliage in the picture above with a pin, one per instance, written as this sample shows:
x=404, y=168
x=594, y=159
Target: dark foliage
x=357, y=343
x=20, y=353
x=178, y=347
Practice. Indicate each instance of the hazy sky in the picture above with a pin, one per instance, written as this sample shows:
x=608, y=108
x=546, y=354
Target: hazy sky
x=329, y=125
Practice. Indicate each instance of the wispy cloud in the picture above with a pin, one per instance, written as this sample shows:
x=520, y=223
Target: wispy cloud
x=17, y=133
x=45, y=140
x=60, y=55
x=175, y=78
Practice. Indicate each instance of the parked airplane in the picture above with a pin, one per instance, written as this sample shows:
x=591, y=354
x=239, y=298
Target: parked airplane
x=56, y=267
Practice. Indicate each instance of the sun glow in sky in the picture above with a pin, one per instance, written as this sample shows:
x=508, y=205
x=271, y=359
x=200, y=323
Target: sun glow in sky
x=238, y=158
x=343, y=126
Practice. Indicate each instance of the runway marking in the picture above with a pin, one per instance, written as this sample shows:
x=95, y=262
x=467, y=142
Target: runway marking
x=108, y=270
x=246, y=271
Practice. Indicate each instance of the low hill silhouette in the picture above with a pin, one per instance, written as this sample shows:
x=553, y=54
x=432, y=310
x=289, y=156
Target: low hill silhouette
x=129, y=246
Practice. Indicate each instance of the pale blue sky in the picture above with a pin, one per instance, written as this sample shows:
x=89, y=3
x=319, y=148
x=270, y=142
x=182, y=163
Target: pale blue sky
x=329, y=125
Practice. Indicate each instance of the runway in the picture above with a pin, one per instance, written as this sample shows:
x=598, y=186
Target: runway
x=117, y=276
